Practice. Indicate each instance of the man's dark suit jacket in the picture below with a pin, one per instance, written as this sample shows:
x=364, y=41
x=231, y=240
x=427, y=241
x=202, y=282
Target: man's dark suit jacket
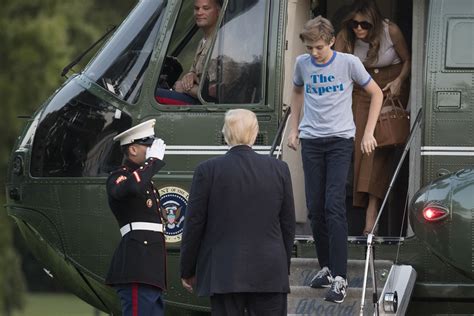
x=240, y=225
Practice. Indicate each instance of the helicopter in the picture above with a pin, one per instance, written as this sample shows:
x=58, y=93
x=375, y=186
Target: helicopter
x=59, y=164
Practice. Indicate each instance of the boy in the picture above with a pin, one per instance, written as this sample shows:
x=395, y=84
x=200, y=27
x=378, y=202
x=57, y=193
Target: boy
x=323, y=81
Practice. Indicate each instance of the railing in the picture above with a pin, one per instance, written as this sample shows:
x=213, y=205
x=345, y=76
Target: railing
x=278, y=135
x=370, y=238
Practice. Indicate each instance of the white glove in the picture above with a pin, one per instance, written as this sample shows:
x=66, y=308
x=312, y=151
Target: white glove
x=156, y=150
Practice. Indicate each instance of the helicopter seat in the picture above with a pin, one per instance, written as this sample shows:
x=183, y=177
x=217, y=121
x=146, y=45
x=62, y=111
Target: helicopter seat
x=171, y=97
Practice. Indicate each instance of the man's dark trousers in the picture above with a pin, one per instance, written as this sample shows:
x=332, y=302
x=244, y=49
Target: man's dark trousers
x=249, y=304
x=326, y=163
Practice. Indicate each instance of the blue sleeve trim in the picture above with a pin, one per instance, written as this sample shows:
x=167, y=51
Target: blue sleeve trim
x=298, y=85
x=367, y=82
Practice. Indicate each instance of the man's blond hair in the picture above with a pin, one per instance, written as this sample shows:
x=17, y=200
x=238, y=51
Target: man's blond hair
x=240, y=127
x=317, y=29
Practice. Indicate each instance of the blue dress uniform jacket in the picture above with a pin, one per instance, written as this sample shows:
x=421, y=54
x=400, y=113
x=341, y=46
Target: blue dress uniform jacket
x=141, y=255
x=240, y=225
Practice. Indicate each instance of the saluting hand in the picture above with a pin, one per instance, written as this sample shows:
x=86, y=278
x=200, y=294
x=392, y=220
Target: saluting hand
x=156, y=150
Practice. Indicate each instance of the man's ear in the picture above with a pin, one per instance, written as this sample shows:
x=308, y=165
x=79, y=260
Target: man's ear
x=132, y=150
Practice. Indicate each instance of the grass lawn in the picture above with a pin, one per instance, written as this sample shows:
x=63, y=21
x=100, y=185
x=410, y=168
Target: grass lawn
x=63, y=304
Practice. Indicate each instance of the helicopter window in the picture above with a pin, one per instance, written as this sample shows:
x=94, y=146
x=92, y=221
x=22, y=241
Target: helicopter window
x=459, y=51
x=233, y=73
x=120, y=67
x=74, y=137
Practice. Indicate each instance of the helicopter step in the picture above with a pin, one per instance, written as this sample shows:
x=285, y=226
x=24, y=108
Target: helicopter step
x=397, y=291
x=304, y=300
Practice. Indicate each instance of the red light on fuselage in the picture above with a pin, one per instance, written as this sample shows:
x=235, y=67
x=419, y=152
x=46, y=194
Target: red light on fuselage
x=434, y=213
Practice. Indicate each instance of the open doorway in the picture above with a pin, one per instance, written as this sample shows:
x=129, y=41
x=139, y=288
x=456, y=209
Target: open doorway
x=393, y=221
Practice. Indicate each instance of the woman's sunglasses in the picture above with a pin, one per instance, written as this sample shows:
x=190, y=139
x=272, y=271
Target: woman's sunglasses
x=363, y=24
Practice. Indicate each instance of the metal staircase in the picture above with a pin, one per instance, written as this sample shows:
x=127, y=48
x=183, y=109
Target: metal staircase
x=304, y=300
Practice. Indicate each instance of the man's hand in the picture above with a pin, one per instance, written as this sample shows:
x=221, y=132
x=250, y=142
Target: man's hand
x=293, y=140
x=188, y=283
x=188, y=81
x=156, y=150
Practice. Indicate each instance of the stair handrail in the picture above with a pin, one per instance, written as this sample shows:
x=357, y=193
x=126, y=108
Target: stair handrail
x=369, y=259
x=281, y=129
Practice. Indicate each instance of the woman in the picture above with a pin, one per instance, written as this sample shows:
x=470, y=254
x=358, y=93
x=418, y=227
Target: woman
x=381, y=47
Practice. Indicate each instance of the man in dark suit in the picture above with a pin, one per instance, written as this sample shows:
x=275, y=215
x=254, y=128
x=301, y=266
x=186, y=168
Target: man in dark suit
x=240, y=226
x=137, y=270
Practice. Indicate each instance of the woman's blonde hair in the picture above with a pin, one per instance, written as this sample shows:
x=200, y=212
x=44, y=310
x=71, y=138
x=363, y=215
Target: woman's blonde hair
x=240, y=127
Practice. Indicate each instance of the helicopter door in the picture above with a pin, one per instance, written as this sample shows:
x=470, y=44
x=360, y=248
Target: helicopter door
x=298, y=12
x=237, y=64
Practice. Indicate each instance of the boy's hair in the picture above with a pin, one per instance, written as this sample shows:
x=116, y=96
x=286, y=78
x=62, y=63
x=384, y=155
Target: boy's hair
x=317, y=29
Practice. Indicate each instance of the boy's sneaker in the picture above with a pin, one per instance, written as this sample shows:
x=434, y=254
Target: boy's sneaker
x=337, y=292
x=322, y=279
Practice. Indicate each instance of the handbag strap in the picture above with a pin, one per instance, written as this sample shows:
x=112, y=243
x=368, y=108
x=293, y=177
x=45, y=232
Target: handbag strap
x=393, y=102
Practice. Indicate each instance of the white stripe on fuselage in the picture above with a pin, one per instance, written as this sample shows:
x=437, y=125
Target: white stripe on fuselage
x=211, y=150
x=447, y=151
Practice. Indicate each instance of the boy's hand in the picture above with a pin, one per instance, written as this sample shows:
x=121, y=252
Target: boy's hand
x=368, y=144
x=293, y=140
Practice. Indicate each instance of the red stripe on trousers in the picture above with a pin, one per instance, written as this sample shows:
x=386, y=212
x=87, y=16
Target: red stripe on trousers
x=135, y=299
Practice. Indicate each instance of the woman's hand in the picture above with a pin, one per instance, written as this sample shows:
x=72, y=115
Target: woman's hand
x=368, y=143
x=393, y=87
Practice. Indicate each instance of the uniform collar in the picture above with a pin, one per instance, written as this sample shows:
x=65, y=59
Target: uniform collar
x=131, y=165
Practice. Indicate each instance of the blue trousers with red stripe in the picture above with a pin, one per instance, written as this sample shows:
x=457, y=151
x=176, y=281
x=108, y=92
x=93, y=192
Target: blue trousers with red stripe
x=140, y=300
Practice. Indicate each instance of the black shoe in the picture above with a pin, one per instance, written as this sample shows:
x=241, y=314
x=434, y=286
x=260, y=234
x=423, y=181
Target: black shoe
x=322, y=279
x=337, y=292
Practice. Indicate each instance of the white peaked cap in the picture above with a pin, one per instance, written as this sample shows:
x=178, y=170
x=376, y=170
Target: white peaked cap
x=142, y=130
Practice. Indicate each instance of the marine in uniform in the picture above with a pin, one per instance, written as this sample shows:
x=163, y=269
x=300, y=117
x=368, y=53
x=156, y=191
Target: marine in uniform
x=138, y=267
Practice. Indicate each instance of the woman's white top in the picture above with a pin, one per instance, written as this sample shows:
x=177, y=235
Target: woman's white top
x=387, y=54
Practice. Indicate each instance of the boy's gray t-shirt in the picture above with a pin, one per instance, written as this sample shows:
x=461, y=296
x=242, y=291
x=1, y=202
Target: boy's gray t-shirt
x=328, y=94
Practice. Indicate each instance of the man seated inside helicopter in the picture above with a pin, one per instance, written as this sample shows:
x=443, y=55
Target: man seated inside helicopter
x=185, y=91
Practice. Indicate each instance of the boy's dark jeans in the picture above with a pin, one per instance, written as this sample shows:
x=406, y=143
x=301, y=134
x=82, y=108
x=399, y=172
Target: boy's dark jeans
x=326, y=162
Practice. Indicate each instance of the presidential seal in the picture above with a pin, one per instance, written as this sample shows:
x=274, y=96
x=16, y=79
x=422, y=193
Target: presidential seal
x=173, y=202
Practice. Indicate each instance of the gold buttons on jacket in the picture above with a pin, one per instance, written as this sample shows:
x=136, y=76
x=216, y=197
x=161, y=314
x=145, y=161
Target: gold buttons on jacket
x=376, y=70
x=145, y=242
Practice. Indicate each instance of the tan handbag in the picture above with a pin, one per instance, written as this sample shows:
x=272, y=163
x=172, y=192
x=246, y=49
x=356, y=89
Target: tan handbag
x=393, y=125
